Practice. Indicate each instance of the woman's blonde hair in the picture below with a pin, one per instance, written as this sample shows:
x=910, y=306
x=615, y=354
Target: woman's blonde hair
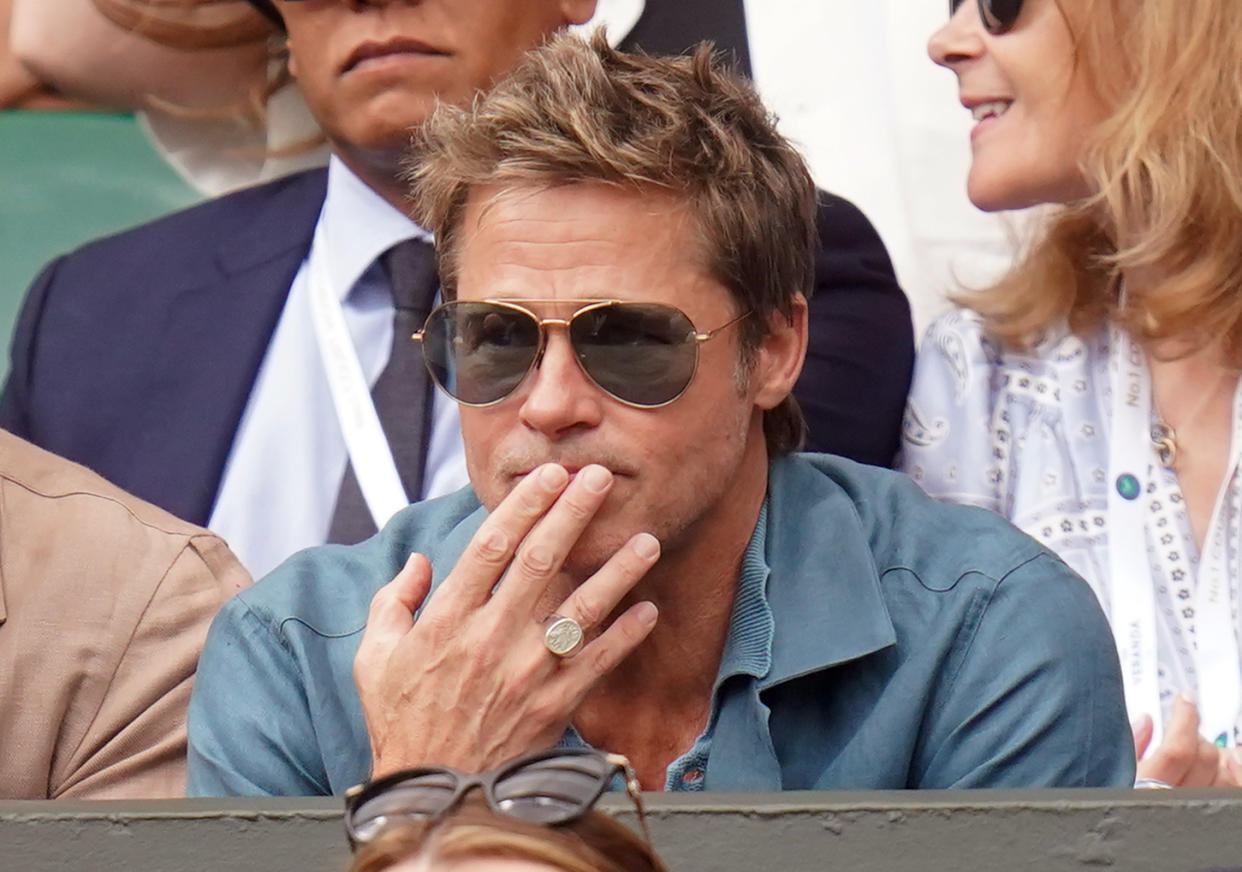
x=592, y=843
x=1165, y=167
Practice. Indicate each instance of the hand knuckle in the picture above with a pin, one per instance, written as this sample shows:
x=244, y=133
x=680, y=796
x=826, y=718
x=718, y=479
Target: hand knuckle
x=1179, y=757
x=578, y=510
x=531, y=673
x=383, y=599
x=599, y=662
x=545, y=709
x=437, y=626
x=536, y=560
x=531, y=502
x=590, y=611
x=492, y=546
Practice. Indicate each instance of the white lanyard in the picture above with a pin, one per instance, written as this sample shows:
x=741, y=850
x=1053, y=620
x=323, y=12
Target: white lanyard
x=365, y=442
x=1132, y=590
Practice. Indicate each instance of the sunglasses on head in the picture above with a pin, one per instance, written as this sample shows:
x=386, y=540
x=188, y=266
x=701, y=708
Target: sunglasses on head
x=998, y=16
x=642, y=354
x=549, y=787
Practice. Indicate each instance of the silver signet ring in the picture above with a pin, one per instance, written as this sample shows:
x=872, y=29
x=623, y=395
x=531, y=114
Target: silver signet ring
x=562, y=636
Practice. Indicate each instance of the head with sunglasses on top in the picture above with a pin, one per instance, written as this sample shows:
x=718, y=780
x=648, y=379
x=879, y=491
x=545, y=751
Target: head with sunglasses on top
x=643, y=564
x=1092, y=393
x=533, y=814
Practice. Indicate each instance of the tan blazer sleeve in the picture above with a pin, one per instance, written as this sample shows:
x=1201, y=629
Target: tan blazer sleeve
x=104, y=606
x=135, y=744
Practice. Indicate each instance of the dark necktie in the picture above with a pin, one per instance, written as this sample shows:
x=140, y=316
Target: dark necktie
x=402, y=394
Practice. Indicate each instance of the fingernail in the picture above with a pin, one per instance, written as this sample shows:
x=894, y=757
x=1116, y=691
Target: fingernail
x=646, y=612
x=596, y=479
x=646, y=546
x=553, y=476
x=1236, y=753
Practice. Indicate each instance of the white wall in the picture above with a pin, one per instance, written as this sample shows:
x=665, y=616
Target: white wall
x=881, y=125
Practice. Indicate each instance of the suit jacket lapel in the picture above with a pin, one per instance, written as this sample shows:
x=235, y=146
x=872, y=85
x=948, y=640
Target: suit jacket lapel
x=211, y=346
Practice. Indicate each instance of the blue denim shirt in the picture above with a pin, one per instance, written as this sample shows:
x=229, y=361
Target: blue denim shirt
x=910, y=644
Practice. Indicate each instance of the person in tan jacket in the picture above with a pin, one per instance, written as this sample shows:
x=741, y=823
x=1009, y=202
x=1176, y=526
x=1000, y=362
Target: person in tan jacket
x=104, y=605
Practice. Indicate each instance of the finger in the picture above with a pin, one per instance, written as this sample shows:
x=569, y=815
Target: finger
x=1230, y=774
x=594, y=599
x=540, y=556
x=1205, y=770
x=391, y=614
x=1178, y=752
x=1143, y=729
x=582, y=671
x=1184, y=721
x=494, y=544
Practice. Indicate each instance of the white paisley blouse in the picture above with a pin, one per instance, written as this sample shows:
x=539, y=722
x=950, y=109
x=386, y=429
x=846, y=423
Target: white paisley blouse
x=1026, y=434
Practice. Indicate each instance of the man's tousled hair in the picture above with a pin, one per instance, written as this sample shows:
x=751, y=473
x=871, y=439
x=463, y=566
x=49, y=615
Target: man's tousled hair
x=578, y=111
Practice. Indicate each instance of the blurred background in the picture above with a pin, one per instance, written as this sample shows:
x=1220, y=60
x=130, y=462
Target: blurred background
x=113, y=112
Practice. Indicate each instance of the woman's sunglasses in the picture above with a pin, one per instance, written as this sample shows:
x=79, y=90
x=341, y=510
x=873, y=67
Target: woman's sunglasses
x=643, y=354
x=999, y=16
x=549, y=787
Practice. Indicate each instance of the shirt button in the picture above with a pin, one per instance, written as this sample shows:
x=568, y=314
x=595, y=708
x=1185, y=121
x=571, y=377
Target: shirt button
x=693, y=776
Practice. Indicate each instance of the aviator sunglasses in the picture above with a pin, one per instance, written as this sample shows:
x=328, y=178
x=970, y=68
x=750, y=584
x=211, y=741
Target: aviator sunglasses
x=999, y=16
x=642, y=354
x=549, y=787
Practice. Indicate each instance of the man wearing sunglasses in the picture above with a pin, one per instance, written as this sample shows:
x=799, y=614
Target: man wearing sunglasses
x=244, y=364
x=642, y=566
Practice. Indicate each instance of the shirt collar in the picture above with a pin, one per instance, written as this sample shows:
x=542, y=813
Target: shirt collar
x=748, y=649
x=356, y=226
x=824, y=590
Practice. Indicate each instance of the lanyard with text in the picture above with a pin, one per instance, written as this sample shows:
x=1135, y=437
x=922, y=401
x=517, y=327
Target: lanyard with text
x=1132, y=460
x=365, y=442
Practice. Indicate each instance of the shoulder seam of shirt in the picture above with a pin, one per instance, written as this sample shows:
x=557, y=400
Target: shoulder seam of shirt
x=266, y=619
x=997, y=581
x=188, y=532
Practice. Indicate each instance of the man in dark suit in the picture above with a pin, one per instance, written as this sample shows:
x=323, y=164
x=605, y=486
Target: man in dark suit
x=184, y=360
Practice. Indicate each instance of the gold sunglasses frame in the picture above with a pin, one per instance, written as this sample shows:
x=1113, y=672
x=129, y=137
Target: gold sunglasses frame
x=543, y=323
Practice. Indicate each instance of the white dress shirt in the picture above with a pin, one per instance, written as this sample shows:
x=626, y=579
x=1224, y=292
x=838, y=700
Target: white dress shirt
x=281, y=480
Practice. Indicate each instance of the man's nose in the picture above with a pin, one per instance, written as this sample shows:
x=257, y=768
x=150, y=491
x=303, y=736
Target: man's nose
x=961, y=37
x=559, y=398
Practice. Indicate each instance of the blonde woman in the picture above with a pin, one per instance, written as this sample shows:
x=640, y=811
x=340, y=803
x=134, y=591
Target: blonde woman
x=1091, y=396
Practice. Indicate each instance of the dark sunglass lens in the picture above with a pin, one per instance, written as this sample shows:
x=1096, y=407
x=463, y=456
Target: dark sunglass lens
x=553, y=789
x=421, y=796
x=641, y=353
x=999, y=16
x=479, y=352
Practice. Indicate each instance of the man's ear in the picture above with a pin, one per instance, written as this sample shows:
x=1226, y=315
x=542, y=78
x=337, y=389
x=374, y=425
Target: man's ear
x=779, y=357
x=577, y=11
